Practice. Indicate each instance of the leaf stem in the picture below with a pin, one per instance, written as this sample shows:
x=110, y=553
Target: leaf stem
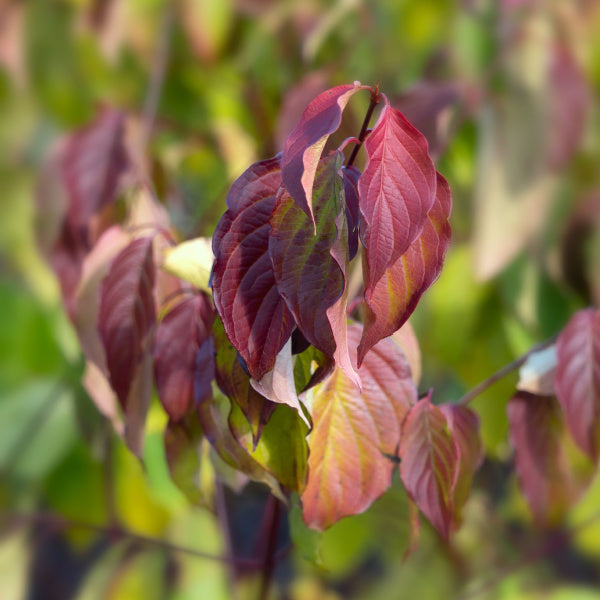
x=273, y=517
x=504, y=371
x=375, y=99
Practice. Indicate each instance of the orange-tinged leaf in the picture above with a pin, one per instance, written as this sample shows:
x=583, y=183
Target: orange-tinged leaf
x=429, y=461
x=355, y=435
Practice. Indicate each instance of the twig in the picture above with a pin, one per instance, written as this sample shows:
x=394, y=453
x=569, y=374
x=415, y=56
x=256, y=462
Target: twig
x=509, y=368
x=375, y=99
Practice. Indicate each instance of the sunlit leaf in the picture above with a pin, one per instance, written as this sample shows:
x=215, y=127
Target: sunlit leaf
x=255, y=316
x=310, y=267
x=536, y=375
x=391, y=300
x=396, y=189
x=182, y=345
x=356, y=434
x=429, y=460
x=191, y=261
x=305, y=144
x=577, y=381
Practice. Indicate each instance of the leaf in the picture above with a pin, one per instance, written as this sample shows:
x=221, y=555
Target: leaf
x=397, y=190
x=350, y=176
x=310, y=265
x=255, y=316
x=354, y=434
x=305, y=144
x=546, y=473
x=577, y=380
x=429, y=461
x=127, y=313
x=391, y=299
x=463, y=424
x=191, y=261
x=182, y=345
x=536, y=375
x=406, y=339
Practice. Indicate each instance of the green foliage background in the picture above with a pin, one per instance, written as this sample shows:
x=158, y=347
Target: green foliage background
x=231, y=66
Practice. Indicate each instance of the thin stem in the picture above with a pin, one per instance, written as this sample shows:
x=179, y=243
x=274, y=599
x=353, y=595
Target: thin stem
x=504, y=371
x=375, y=99
x=273, y=516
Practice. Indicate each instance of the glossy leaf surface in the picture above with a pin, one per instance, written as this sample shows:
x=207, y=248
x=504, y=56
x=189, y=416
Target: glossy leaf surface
x=391, y=300
x=429, y=461
x=355, y=434
x=255, y=316
x=577, y=378
x=305, y=144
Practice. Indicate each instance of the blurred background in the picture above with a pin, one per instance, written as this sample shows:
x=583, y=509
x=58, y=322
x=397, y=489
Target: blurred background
x=506, y=92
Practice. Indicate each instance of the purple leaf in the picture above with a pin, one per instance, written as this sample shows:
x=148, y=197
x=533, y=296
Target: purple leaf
x=396, y=190
x=350, y=177
x=255, y=316
x=305, y=144
x=127, y=313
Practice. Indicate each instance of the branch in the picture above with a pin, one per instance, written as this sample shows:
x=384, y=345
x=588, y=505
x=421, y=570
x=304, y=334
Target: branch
x=504, y=371
x=375, y=99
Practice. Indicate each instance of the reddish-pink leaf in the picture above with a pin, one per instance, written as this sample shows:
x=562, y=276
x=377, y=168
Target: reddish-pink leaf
x=391, y=300
x=180, y=337
x=546, y=475
x=127, y=313
x=355, y=434
x=569, y=103
x=463, y=424
x=255, y=316
x=577, y=379
x=93, y=161
x=396, y=190
x=429, y=461
x=310, y=259
x=305, y=144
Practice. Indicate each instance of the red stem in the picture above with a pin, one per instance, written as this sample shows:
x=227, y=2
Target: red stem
x=273, y=518
x=375, y=99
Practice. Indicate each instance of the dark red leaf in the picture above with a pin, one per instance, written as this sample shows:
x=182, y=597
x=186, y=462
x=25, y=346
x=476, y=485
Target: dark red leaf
x=350, y=176
x=577, y=379
x=546, y=475
x=396, y=190
x=305, y=144
x=127, y=313
x=429, y=461
x=181, y=345
x=310, y=266
x=392, y=299
x=255, y=316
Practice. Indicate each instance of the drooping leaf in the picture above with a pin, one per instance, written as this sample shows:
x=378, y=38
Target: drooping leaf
x=127, y=313
x=429, y=461
x=351, y=175
x=254, y=314
x=309, y=267
x=305, y=144
x=577, y=379
x=234, y=382
x=463, y=424
x=390, y=300
x=548, y=477
x=182, y=337
x=355, y=435
x=396, y=190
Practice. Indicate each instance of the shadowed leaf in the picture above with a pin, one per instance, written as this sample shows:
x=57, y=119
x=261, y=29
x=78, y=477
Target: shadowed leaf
x=355, y=433
x=305, y=144
x=255, y=316
x=392, y=299
x=350, y=177
x=577, y=379
x=396, y=190
x=429, y=460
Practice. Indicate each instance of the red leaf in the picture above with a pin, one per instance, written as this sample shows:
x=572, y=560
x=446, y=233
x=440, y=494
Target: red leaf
x=255, y=316
x=127, y=313
x=577, y=379
x=356, y=434
x=93, y=161
x=463, y=424
x=429, y=461
x=310, y=266
x=181, y=336
x=305, y=144
x=392, y=299
x=396, y=189
x=546, y=476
